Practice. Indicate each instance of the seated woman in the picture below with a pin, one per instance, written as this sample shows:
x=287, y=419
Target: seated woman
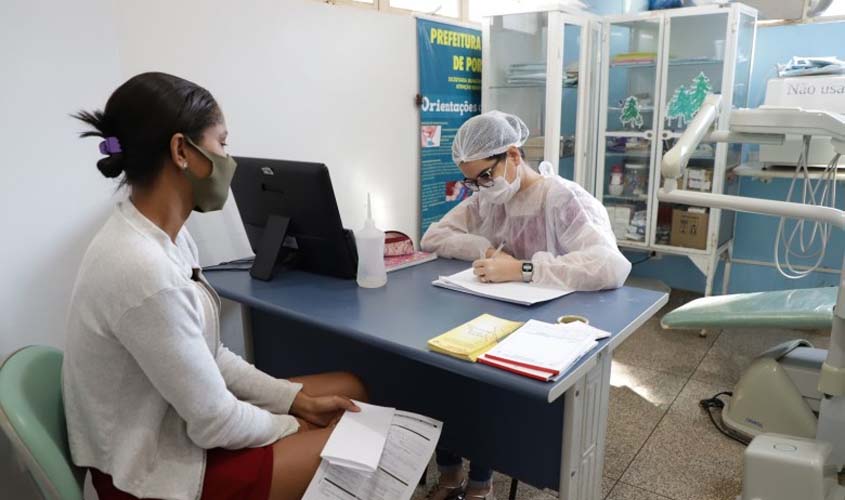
x=156, y=406
x=550, y=230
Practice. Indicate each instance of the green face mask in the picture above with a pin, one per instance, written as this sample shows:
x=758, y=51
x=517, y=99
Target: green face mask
x=210, y=193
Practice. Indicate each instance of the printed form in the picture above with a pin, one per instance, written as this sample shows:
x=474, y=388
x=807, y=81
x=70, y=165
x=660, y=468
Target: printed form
x=410, y=443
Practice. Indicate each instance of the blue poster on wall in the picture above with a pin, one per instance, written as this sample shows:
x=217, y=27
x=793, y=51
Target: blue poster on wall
x=450, y=93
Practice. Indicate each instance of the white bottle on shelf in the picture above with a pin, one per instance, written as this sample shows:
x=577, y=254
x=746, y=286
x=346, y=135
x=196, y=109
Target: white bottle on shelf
x=370, y=243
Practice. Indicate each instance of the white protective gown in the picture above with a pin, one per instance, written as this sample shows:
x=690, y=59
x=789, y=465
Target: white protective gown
x=557, y=225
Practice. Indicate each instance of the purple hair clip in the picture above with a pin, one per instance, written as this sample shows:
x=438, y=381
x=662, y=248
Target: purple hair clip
x=110, y=146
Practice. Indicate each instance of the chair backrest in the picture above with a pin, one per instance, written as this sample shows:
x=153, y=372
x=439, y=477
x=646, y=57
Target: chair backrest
x=33, y=417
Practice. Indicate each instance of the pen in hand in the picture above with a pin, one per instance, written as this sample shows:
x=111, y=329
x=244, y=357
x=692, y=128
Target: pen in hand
x=502, y=244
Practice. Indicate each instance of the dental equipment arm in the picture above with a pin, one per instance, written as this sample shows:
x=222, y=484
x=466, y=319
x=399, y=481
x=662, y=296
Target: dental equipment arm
x=700, y=130
x=676, y=159
x=753, y=126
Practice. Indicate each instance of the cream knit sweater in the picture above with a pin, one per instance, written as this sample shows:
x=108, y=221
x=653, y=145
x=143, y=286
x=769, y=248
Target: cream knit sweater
x=148, y=387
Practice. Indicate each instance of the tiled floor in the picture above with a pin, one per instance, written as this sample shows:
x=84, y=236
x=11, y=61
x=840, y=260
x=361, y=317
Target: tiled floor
x=660, y=445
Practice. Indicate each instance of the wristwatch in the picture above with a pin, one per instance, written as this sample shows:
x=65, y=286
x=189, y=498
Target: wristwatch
x=527, y=271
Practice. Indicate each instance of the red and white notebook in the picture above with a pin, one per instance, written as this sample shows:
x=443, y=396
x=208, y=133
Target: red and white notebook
x=397, y=262
x=543, y=351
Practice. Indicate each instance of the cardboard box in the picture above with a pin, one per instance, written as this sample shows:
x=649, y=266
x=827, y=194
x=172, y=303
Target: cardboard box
x=699, y=179
x=689, y=229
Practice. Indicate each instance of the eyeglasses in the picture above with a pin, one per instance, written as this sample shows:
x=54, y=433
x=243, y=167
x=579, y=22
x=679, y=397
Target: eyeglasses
x=482, y=180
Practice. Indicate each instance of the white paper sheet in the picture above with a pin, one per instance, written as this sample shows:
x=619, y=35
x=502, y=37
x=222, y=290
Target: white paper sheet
x=518, y=293
x=358, y=440
x=407, y=451
x=576, y=327
x=545, y=345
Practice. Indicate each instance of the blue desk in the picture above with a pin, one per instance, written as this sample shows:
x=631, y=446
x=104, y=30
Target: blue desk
x=550, y=435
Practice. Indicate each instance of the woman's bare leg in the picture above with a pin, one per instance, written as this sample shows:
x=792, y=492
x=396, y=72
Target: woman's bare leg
x=295, y=460
x=296, y=457
x=333, y=384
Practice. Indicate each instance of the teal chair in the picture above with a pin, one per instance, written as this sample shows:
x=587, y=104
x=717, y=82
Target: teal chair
x=32, y=416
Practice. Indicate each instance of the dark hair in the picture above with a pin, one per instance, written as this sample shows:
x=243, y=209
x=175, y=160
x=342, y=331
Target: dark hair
x=501, y=156
x=143, y=114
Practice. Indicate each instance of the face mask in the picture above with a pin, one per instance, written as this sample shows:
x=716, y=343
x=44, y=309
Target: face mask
x=501, y=191
x=210, y=193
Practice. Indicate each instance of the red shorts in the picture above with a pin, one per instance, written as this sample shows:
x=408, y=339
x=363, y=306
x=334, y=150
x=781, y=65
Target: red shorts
x=229, y=474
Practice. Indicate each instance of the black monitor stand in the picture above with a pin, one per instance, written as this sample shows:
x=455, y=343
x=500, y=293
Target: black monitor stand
x=268, y=249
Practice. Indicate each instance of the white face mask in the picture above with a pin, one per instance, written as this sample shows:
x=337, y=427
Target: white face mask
x=501, y=191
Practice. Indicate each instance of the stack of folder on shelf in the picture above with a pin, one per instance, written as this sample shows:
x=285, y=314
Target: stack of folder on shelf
x=635, y=58
x=543, y=351
x=526, y=74
x=535, y=74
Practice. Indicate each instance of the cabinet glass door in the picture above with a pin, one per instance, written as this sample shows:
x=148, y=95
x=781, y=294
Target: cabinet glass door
x=517, y=73
x=632, y=75
x=742, y=75
x=590, y=109
x=570, y=100
x=623, y=182
x=695, y=67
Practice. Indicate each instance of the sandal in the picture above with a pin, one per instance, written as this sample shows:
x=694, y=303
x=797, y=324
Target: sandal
x=488, y=496
x=480, y=496
x=447, y=492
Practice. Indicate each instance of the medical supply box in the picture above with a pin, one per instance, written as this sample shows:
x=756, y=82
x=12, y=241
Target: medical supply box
x=689, y=229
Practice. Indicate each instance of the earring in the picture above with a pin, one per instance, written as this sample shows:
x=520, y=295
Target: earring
x=184, y=165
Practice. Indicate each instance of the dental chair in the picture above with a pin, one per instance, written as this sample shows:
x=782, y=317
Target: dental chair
x=793, y=454
x=779, y=392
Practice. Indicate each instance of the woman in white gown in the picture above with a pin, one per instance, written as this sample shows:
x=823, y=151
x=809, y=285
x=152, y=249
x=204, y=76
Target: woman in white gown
x=551, y=231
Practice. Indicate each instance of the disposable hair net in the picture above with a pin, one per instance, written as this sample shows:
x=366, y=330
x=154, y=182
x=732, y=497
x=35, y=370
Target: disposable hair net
x=486, y=135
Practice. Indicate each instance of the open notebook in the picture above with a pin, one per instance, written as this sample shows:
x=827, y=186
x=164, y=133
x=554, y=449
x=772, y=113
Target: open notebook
x=543, y=351
x=518, y=293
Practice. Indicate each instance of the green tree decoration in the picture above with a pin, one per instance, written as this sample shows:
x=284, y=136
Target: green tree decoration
x=678, y=108
x=686, y=101
x=631, y=116
x=699, y=89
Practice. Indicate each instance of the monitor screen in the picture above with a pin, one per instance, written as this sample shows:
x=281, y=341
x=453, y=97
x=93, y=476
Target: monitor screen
x=315, y=239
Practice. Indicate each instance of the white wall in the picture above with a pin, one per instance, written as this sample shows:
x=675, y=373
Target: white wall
x=58, y=57
x=299, y=79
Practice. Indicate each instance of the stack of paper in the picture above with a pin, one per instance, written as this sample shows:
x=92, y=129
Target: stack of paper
x=526, y=74
x=535, y=74
x=543, y=351
x=519, y=293
x=635, y=58
x=473, y=338
x=407, y=445
x=358, y=439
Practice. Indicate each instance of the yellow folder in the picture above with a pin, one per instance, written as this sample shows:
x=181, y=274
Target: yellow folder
x=474, y=338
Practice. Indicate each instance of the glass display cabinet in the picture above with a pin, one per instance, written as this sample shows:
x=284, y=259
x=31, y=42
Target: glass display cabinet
x=655, y=77
x=545, y=67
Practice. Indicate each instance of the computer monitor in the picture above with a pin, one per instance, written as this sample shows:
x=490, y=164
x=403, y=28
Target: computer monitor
x=291, y=218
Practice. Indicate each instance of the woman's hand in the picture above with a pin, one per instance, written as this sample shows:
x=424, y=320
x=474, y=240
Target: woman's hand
x=498, y=270
x=321, y=411
x=491, y=253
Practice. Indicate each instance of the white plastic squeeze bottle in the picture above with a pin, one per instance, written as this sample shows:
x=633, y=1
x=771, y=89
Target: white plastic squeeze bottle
x=370, y=243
